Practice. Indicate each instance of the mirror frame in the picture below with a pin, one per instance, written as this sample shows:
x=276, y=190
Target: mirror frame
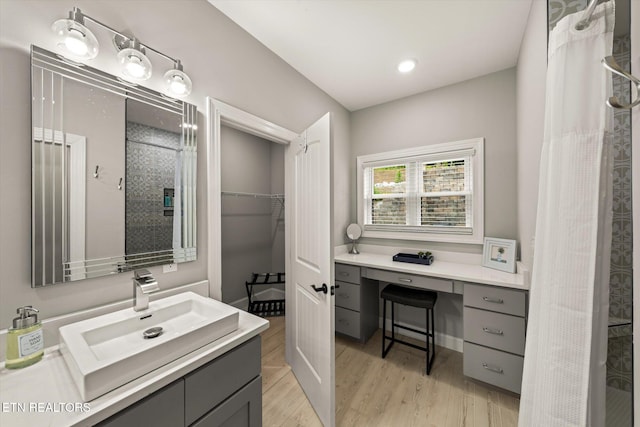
x=49, y=268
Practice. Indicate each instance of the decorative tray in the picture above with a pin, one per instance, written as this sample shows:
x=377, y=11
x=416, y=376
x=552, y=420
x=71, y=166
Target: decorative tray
x=426, y=259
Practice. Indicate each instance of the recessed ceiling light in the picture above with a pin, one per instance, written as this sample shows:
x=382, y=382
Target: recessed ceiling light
x=407, y=65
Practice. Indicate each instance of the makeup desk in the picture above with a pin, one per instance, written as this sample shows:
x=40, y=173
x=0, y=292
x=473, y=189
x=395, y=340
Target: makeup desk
x=494, y=313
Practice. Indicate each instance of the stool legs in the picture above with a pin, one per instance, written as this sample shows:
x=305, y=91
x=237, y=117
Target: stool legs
x=384, y=327
x=427, y=367
x=433, y=342
x=430, y=347
x=384, y=324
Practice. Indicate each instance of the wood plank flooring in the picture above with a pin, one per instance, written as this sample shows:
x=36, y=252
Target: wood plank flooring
x=371, y=391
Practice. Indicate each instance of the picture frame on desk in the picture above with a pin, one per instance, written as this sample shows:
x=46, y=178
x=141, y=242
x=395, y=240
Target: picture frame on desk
x=499, y=254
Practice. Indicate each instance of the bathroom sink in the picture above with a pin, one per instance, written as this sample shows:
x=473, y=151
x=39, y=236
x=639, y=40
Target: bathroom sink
x=108, y=351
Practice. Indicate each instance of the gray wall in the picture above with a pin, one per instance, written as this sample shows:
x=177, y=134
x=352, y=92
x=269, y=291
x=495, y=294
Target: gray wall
x=481, y=107
x=223, y=61
x=252, y=236
x=277, y=208
x=532, y=71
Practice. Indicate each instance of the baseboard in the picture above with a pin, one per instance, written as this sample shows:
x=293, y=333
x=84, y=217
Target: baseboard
x=443, y=340
x=271, y=293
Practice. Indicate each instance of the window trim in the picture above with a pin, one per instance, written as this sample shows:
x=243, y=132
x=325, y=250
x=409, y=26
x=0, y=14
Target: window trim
x=455, y=148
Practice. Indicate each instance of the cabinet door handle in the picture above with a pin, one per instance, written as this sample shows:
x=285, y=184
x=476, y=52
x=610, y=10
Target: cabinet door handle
x=343, y=273
x=494, y=300
x=495, y=369
x=493, y=331
x=400, y=279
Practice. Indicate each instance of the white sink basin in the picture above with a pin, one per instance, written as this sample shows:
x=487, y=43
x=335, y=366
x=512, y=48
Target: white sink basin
x=108, y=351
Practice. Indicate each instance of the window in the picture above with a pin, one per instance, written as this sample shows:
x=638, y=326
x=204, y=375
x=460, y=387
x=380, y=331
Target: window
x=427, y=193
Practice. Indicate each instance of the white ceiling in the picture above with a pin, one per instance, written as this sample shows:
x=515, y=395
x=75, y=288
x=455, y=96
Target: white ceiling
x=350, y=48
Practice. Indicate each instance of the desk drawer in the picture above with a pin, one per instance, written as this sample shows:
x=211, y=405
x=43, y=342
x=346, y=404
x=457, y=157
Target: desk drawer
x=495, y=298
x=493, y=366
x=422, y=282
x=348, y=295
x=497, y=330
x=348, y=273
x=348, y=322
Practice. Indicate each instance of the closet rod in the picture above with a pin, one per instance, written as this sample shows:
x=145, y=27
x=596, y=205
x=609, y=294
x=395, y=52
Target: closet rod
x=256, y=195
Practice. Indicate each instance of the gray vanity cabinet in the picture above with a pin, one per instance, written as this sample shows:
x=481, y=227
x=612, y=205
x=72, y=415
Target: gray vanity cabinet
x=225, y=392
x=244, y=408
x=212, y=384
x=356, y=312
x=494, y=335
x=164, y=408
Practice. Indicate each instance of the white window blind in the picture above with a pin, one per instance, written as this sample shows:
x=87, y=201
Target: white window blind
x=429, y=190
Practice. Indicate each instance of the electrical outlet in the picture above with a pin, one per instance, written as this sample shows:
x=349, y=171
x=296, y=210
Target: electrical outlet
x=169, y=268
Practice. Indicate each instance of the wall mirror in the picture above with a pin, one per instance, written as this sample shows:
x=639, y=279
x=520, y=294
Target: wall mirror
x=113, y=174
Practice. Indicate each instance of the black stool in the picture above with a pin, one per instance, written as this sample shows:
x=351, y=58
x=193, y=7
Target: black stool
x=414, y=298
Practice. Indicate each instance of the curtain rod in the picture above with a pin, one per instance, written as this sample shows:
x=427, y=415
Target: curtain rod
x=586, y=17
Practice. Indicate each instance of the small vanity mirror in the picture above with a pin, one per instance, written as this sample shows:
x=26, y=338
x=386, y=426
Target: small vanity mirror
x=354, y=231
x=113, y=174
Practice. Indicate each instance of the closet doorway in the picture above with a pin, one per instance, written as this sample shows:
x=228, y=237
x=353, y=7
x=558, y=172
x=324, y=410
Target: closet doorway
x=252, y=222
x=308, y=255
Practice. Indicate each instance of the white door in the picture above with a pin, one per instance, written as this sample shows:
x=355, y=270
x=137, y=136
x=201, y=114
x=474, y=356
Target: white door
x=309, y=300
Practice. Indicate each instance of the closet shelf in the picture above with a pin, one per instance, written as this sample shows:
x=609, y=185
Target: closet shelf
x=256, y=195
x=278, y=197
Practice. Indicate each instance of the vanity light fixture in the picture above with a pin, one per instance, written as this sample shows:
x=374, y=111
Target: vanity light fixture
x=176, y=81
x=79, y=44
x=407, y=65
x=74, y=38
x=133, y=62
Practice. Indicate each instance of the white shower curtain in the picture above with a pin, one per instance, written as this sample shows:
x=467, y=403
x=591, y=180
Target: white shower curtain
x=565, y=357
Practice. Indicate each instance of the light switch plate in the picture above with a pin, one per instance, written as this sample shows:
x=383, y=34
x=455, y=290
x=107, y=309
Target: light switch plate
x=169, y=268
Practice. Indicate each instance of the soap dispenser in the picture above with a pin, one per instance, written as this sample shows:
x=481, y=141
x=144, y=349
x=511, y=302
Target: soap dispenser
x=25, y=341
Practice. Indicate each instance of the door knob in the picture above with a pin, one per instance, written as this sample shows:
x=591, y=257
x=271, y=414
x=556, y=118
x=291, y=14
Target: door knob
x=322, y=288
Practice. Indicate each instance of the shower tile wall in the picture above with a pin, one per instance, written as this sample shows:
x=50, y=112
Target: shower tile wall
x=619, y=363
x=619, y=355
x=150, y=169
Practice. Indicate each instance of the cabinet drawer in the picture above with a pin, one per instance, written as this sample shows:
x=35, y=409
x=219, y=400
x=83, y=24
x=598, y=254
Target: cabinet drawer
x=208, y=386
x=243, y=409
x=495, y=367
x=348, y=273
x=497, y=330
x=164, y=408
x=348, y=322
x=423, y=282
x=494, y=298
x=348, y=296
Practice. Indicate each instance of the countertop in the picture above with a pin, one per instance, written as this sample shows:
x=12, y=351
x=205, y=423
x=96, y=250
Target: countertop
x=44, y=394
x=464, y=272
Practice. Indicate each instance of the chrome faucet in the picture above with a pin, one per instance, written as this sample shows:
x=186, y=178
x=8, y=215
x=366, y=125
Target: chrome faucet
x=143, y=285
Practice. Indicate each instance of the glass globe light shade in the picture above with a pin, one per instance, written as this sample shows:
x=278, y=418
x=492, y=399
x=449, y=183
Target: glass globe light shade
x=77, y=41
x=177, y=83
x=134, y=64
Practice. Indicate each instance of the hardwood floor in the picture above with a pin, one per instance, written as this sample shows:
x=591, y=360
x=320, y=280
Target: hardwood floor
x=371, y=391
